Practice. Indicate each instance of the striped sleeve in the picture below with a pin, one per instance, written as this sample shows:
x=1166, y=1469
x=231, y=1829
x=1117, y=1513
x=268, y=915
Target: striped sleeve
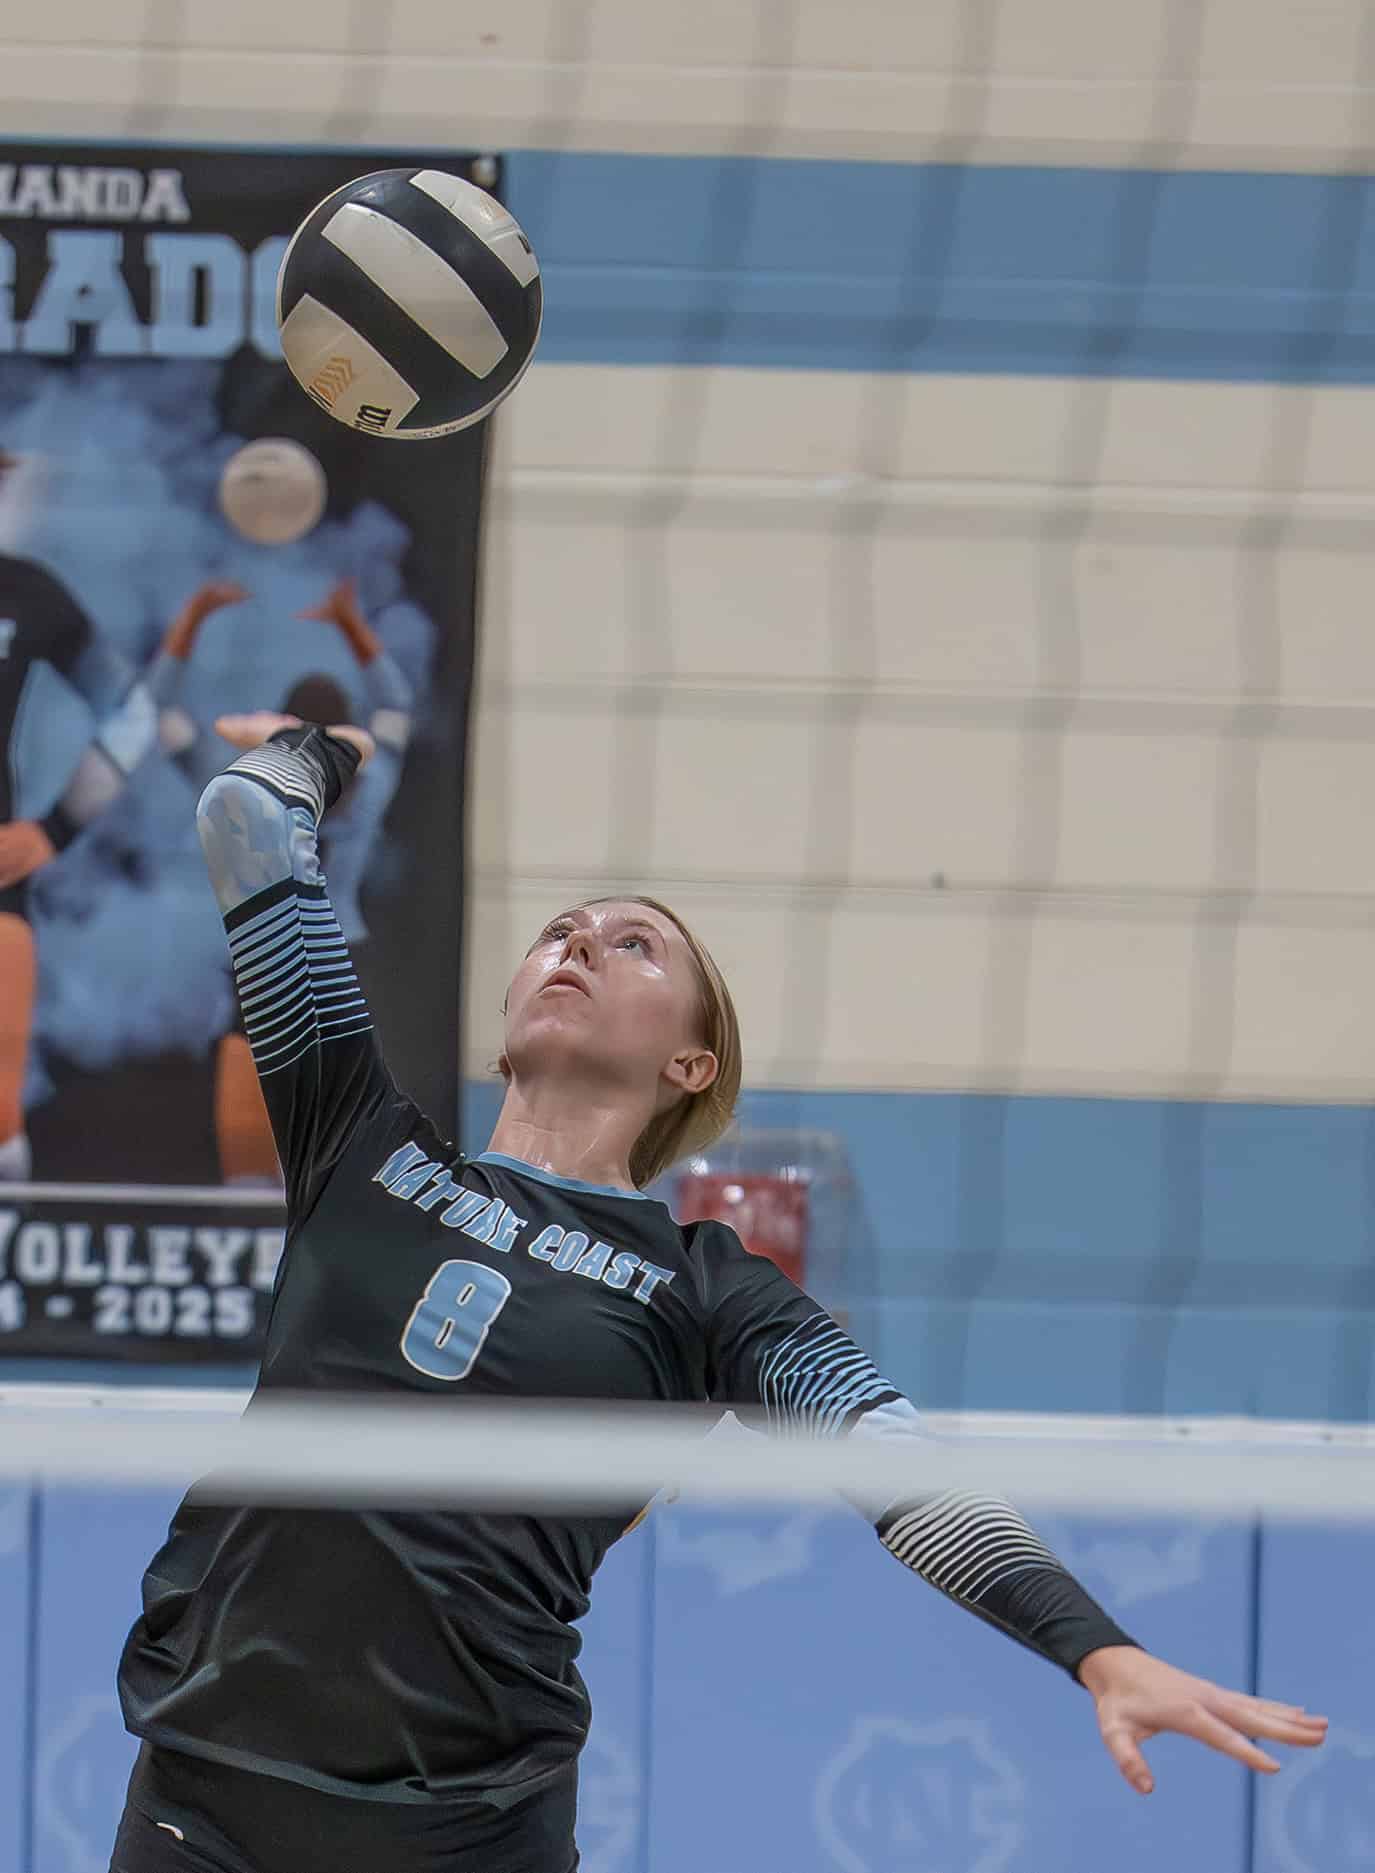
x=782, y=1363
x=815, y=1380
x=978, y=1551
x=304, y=1013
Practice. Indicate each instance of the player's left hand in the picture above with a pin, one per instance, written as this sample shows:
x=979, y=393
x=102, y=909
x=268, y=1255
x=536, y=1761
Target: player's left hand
x=24, y=848
x=1138, y=1697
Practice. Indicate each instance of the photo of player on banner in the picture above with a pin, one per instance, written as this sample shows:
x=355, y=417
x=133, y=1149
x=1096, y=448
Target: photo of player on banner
x=144, y=592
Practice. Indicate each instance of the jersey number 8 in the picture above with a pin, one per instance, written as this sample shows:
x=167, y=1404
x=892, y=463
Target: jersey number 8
x=452, y=1318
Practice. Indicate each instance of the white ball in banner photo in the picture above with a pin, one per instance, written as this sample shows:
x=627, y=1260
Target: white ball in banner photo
x=409, y=304
x=273, y=491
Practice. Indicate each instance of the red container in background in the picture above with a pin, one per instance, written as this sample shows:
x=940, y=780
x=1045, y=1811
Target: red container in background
x=789, y=1195
x=769, y=1213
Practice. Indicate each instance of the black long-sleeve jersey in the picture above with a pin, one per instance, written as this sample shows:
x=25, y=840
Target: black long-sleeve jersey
x=413, y=1657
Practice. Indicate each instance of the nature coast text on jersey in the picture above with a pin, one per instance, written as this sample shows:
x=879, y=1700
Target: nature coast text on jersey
x=414, y=1178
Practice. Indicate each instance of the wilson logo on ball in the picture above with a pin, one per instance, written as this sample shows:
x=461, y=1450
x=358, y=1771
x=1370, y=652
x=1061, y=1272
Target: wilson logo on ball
x=409, y=303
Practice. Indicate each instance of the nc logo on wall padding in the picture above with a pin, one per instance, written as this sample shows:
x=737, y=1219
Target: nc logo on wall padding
x=920, y=1798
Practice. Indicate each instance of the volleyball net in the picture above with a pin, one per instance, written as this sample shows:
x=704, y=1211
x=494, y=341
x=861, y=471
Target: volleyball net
x=769, y=1687
x=584, y=1457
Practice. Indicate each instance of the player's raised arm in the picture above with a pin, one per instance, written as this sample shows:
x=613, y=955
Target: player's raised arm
x=775, y=1356
x=307, y=1021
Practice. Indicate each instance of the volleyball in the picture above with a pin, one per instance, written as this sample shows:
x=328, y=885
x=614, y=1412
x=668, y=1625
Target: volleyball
x=273, y=491
x=409, y=304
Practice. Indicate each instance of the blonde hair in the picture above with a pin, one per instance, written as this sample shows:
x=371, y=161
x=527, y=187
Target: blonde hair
x=698, y=1119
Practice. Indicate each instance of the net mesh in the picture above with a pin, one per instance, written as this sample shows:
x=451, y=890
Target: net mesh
x=1032, y=702
x=1190, y=868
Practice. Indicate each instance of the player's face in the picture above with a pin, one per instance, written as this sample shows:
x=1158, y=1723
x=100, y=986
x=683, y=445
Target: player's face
x=612, y=990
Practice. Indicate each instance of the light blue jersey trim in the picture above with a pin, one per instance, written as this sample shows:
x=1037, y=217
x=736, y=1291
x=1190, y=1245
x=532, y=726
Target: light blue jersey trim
x=559, y=1183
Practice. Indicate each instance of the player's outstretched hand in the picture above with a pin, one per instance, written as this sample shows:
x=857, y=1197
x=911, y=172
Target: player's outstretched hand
x=24, y=848
x=250, y=731
x=1138, y=1697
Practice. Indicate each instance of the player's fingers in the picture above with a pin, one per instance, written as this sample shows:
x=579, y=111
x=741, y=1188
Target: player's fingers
x=1276, y=1709
x=1279, y=1723
x=1123, y=1742
x=1299, y=1733
x=1285, y=1729
x=1201, y=1723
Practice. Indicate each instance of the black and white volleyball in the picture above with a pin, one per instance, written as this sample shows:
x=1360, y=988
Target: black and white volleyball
x=409, y=303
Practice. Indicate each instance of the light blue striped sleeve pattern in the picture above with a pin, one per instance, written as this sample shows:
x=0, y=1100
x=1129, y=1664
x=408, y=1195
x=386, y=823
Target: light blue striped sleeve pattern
x=772, y=1352
x=815, y=1380
x=978, y=1551
x=296, y=984
x=305, y=1015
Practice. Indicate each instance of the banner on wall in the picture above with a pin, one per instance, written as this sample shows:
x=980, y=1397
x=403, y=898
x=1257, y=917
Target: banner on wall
x=140, y=1214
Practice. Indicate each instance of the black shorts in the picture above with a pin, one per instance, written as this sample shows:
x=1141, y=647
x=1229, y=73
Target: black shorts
x=185, y=1815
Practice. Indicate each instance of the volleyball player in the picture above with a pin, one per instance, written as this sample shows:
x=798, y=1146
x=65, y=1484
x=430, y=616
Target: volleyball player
x=359, y=1691
x=243, y=1132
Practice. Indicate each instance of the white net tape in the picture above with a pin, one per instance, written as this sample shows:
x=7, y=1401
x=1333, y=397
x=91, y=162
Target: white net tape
x=586, y=1459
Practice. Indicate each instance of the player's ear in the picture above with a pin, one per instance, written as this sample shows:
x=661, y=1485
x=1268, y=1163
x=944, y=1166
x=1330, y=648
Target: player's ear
x=504, y=1068
x=692, y=1070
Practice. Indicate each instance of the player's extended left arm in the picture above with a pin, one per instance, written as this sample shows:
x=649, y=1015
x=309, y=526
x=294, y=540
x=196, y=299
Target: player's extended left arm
x=974, y=1549
x=978, y=1551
